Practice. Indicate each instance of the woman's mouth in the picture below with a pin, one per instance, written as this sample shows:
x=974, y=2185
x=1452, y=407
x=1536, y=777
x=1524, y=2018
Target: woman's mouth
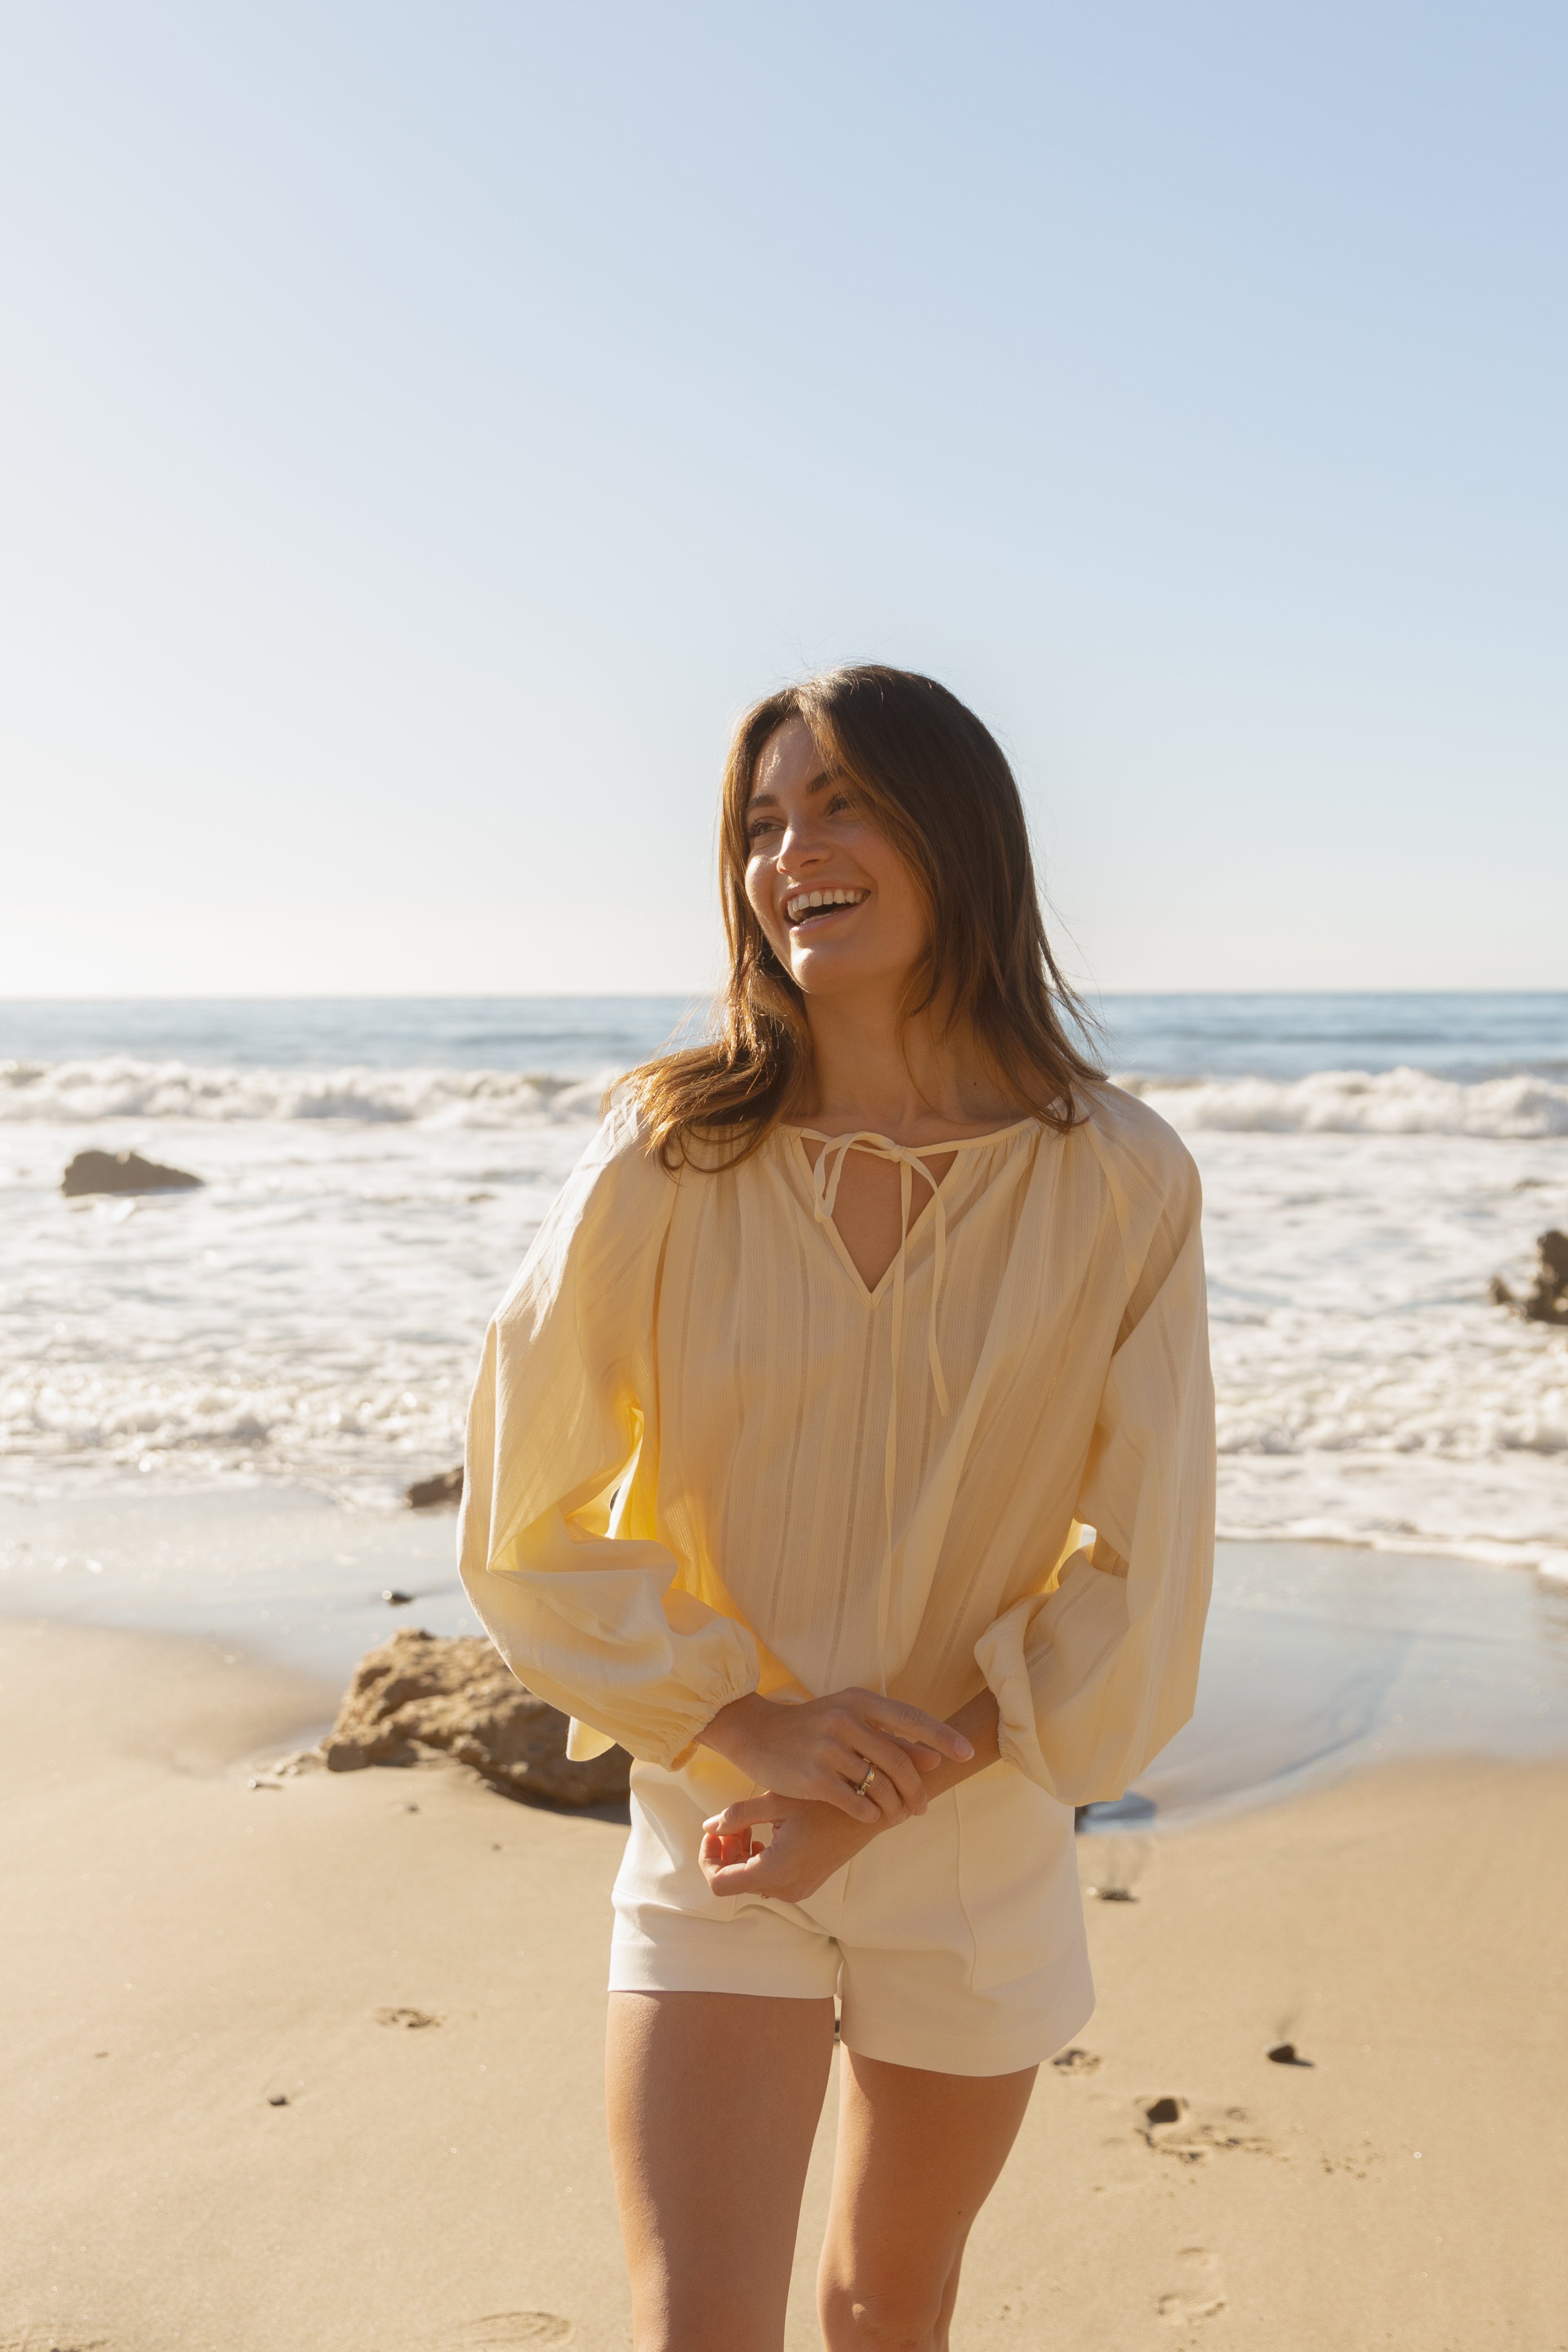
x=804, y=909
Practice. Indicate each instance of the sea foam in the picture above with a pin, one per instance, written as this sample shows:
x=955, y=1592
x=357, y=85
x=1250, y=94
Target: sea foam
x=315, y=1310
x=1402, y=1101
x=86, y=1092
x=1361, y=1102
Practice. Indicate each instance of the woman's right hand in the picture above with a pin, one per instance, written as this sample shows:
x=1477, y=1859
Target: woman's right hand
x=822, y=1749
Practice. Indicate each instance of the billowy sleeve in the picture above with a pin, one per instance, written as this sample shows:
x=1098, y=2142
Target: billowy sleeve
x=587, y=1615
x=1095, y=1675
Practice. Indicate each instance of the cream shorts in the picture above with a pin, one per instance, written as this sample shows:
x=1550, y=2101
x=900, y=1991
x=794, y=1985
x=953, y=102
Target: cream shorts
x=954, y=1943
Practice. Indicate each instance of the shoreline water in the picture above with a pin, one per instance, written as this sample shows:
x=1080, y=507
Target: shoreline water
x=1318, y=1660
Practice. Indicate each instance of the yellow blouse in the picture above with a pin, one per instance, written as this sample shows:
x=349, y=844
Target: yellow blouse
x=705, y=1459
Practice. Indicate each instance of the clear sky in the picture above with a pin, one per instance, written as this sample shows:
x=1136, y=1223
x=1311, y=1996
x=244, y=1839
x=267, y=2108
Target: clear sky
x=425, y=428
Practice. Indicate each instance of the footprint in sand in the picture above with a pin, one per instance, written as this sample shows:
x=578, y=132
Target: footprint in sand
x=53, y=2339
x=1172, y=2127
x=1075, y=2061
x=1200, y=2296
x=503, y=2331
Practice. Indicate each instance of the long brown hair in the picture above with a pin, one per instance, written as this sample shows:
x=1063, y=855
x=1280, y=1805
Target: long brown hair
x=937, y=784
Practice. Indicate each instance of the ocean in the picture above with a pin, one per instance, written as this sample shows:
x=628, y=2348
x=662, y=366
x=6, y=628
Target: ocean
x=211, y=1402
x=375, y=1169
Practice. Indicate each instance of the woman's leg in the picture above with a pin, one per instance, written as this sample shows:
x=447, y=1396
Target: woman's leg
x=714, y=2102
x=918, y=2156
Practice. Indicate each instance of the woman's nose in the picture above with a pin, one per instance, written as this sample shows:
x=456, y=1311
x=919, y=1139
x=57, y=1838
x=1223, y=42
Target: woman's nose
x=802, y=845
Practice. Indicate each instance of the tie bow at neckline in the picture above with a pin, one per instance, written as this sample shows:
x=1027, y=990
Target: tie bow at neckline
x=825, y=1176
x=908, y=1160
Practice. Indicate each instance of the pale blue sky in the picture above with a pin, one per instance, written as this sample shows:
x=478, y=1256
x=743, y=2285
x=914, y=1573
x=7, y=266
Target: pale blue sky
x=426, y=427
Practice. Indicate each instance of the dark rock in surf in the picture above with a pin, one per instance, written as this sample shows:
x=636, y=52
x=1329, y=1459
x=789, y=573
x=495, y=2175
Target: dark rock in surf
x=1548, y=1298
x=122, y=1171
x=428, y=1494
x=422, y=1692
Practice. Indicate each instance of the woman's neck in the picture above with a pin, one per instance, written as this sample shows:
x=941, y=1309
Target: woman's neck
x=912, y=1081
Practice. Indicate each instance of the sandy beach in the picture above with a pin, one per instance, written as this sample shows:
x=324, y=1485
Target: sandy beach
x=675, y=984
x=320, y=2064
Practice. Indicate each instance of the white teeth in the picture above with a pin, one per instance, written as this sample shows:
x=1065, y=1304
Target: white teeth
x=806, y=902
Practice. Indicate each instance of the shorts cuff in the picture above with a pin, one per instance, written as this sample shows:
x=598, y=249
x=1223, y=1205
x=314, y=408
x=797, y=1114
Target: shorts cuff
x=712, y=1962
x=897, y=2044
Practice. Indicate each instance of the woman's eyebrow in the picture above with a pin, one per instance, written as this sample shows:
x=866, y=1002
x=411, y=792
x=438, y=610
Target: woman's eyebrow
x=817, y=785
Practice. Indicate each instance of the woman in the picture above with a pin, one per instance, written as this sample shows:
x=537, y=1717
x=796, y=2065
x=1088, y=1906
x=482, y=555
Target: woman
x=845, y=1450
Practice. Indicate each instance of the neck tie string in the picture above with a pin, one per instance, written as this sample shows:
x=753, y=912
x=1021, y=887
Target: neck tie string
x=825, y=1195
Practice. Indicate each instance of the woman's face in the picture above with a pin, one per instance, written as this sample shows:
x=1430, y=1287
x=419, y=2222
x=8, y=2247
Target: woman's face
x=836, y=901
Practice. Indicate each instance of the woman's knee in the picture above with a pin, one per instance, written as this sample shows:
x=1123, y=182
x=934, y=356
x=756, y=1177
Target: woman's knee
x=858, y=2315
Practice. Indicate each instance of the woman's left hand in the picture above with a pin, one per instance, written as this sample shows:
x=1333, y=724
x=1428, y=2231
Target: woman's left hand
x=811, y=1840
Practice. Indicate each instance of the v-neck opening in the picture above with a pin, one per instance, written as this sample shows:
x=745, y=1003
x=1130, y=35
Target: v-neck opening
x=872, y=1295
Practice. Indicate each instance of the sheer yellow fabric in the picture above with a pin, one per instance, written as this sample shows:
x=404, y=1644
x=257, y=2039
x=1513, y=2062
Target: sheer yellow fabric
x=703, y=1458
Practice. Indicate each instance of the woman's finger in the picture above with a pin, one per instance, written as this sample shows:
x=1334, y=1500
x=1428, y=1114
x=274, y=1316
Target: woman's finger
x=898, y=1786
x=888, y=1798
x=726, y=1853
x=730, y=1846
x=747, y=1812
x=767, y=1871
x=865, y=1771
x=837, y=1769
x=912, y=1723
x=739, y=1877
x=838, y=1787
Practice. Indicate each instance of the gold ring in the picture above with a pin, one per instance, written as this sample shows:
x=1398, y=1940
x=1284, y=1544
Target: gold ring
x=861, y=1786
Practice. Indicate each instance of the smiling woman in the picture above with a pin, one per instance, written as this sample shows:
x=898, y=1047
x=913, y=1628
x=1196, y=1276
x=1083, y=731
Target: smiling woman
x=887, y=789
x=877, y=1527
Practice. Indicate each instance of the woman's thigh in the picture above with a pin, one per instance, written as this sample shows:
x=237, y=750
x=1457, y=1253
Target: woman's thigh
x=918, y=2155
x=713, y=2101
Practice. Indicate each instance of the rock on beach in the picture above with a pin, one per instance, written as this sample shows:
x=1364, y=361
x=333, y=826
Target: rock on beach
x=428, y=1494
x=122, y=1171
x=1548, y=1299
x=421, y=1692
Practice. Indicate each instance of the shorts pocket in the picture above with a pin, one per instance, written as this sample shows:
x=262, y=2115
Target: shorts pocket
x=1018, y=1876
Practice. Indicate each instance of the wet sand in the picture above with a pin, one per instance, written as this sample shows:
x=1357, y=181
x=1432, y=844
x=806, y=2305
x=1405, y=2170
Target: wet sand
x=1318, y=1659
x=320, y=2064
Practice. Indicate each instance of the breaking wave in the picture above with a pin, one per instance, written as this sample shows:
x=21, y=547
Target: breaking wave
x=1358, y=1102
x=1520, y=1107
x=80, y=1093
